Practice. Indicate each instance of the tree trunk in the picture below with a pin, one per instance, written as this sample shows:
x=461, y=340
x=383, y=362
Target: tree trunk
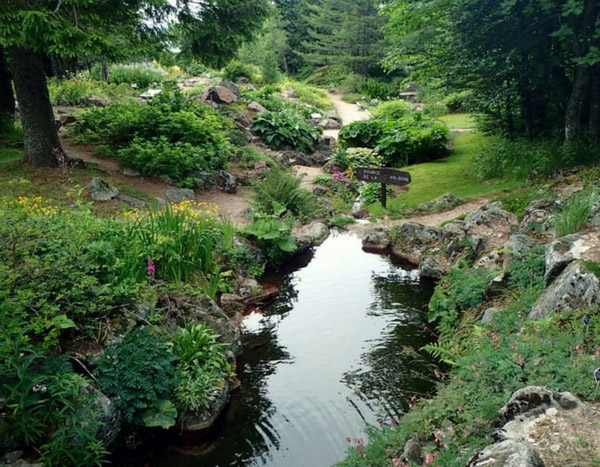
x=7, y=98
x=105, y=71
x=41, y=141
x=575, y=104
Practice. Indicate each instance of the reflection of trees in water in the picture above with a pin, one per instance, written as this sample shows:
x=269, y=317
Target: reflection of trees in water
x=393, y=368
x=245, y=434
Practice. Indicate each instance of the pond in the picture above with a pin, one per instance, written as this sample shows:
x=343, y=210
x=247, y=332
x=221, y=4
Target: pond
x=334, y=353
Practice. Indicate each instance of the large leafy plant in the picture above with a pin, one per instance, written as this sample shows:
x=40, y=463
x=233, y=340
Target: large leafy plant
x=286, y=128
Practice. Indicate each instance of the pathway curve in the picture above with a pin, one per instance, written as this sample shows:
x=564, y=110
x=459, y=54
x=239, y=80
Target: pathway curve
x=349, y=113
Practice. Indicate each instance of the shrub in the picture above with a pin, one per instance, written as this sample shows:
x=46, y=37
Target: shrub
x=459, y=101
x=201, y=367
x=138, y=375
x=377, y=89
x=280, y=188
x=142, y=75
x=236, y=69
x=412, y=139
x=69, y=92
x=59, y=269
x=575, y=213
x=328, y=76
x=356, y=157
x=392, y=110
x=270, y=73
x=43, y=401
x=169, y=136
x=310, y=95
x=286, y=128
x=435, y=109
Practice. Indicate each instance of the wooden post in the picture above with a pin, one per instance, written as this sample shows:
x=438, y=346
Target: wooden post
x=384, y=195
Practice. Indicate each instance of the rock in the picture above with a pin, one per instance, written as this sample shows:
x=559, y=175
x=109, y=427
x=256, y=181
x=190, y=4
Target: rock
x=488, y=315
x=497, y=286
x=269, y=292
x=477, y=243
x=538, y=216
x=317, y=159
x=328, y=141
x=249, y=288
x=430, y=267
x=488, y=215
x=361, y=213
x=231, y=304
x=320, y=191
x=151, y=94
x=166, y=179
x=226, y=182
x=231, y=87
x=412, y=453
x=453, y=230
x=177, y=195
x=376, y=240
x=561, y=252
x=101, y=190
x=316, y=116
x=313, y=234
x=8, y=440
x=202, y=180
x=96, y=101
x=258, y=255
x=10, y=457
x=133, y=202
x=105, y=413
x=67, y=119
x=575, y=288
x=256, y=107
x=219, y=95
x=374, y=102
x=418, y=233
x=491, y=261
x=201, y=419
x=131, y=172
x=520, y=243
x=508, y=453
x=441, y=203
x=533, y=397
x=331, y=123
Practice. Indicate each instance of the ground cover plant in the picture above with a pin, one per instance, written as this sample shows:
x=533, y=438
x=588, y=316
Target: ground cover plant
x=76, y=91
x=169, y=136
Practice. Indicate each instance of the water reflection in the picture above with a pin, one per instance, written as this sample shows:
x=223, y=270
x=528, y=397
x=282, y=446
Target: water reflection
x=322, y=362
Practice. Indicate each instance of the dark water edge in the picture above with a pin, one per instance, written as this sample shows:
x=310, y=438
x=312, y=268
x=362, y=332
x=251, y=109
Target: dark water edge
x=334, y=353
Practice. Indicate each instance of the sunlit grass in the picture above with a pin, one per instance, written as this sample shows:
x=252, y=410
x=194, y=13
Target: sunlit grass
x=459, y=121
x=452, y=174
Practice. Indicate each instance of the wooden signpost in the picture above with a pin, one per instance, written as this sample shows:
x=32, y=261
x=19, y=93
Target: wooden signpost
x=385, y=176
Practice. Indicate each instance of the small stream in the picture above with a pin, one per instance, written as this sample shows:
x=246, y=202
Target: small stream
x=321, y=363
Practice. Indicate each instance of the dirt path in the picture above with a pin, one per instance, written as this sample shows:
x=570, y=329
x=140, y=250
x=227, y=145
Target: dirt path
x=232, y=205
x=347, y=112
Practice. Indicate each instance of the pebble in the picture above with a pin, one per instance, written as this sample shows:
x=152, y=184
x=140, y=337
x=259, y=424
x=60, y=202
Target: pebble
x=555, y=448
x=552, y=411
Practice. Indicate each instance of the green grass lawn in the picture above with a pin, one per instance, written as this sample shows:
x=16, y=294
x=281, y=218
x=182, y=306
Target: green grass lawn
x=452, y=174
x=458, y=121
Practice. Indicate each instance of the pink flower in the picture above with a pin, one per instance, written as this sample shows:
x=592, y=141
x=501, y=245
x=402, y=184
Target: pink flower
x=151, y=268
x=429, y=458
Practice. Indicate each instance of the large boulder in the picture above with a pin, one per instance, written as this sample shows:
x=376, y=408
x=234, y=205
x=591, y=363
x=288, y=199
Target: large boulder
x=561, y=252
x=418, y=233
x=256, y=107
x=105, y=414
x=575, y=288
x=231, y=87
x=219, y=95
x=204, y=418
x=101, y=190
x=95, y=101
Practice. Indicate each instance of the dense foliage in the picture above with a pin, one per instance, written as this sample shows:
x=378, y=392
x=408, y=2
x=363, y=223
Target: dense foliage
x=286, y=128
x=414, y=138
x=169, y=136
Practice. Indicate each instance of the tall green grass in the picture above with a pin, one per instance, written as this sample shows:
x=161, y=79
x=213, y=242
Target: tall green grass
x=575, y=213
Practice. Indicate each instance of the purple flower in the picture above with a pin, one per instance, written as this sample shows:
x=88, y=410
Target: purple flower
x=151, y=269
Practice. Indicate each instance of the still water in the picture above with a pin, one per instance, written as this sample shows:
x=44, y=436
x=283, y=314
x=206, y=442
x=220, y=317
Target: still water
x=321, y=363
